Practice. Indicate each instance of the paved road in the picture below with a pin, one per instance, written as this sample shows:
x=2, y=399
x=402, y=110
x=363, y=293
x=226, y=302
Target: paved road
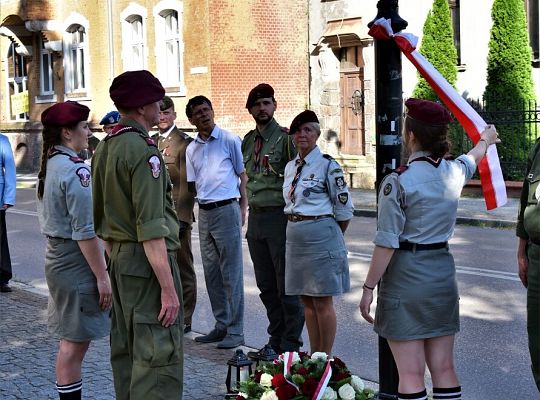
x=491, y=349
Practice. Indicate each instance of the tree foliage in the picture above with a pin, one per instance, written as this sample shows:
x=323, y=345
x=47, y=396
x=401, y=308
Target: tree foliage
x=438, y=48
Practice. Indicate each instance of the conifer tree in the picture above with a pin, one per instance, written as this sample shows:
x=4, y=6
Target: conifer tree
x=509, y=89
x=438, y=48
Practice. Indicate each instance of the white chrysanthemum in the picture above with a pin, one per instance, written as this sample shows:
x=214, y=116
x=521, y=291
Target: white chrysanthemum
x=319, y=355
x=346, y=392
x=357, y=383
x=329, y=394
x=269, y=395
x=266, y=380
x=295, y=357
x=244, y=395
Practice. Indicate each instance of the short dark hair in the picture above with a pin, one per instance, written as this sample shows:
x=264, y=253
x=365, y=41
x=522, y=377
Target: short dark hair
x=432, y=138
x=196, y=101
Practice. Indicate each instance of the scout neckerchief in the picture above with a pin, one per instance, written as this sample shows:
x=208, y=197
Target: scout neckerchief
x=300, y=164
x=53, y=151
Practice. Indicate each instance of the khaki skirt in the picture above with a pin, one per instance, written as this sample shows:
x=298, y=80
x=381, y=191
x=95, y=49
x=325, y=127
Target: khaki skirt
x=418, y=296
x=73, y=311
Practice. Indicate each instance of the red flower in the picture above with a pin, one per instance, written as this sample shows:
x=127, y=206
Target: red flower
x=285, y=392
x=338, y=363
x=338, y=376
x=303, y=371
x=257, y=377
x=278, y=380
x=309, y=387
x=240, y=397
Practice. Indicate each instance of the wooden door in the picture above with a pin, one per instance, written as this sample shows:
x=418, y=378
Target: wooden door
x=352, y=112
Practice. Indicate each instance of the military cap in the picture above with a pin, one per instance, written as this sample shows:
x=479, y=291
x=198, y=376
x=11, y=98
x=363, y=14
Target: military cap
x=111, y=117
x=65, y=114
x=261, y=91
x=166, y=103
x=134, y=89
x=428, y=112
x=302, y=118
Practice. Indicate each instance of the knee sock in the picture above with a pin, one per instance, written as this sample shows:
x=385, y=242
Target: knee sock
x=71, y=391
x=447, y=393
x=413, y=396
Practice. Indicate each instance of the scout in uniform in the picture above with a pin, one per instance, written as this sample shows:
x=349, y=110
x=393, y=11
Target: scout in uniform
x=319, y=208
x=109, y=121
x=528, y=254
x=173, y=143
x=266, y=150
x=418, y=303
x=134, y=215
x=79, y=286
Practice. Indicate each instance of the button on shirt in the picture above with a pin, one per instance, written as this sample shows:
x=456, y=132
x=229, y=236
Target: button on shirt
x=321, y=188
x=215, y=165
x=420, y=204
x=66, y=208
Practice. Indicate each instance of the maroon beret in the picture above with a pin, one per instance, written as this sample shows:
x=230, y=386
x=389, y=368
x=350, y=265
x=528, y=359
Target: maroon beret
x=65, y=114
x=428, y=112
x=302, y=118
x=261, y=91
x=134, y=89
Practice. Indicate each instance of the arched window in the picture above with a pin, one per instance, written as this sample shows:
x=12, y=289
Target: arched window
x=17, y=77
x=75, y=55
x=134, y=52
x=170, y=46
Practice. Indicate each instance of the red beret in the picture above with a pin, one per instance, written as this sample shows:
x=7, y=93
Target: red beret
x=428, y=112
x=261, y=91
x=302, y=118
x=65, y=114
x=134, y=89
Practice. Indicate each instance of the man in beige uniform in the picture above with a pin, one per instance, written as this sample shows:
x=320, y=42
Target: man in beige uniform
x=172, y=143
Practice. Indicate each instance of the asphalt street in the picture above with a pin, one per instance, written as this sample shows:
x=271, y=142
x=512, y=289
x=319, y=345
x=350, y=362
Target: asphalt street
x=491, y=349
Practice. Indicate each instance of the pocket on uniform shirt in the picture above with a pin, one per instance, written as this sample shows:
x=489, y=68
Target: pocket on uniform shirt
x=88, y=297
x=155, y=345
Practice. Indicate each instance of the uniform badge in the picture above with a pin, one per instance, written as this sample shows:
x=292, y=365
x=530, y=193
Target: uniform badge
x=340, y=182
x=155, y=166
x=306, y=193
x=343, y=198
x=387, y=189
x=84, y=176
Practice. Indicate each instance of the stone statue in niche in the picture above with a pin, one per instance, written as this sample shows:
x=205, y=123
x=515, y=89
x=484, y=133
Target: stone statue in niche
x=329, y=65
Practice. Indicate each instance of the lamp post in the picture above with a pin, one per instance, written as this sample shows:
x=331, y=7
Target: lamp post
x=388, y=112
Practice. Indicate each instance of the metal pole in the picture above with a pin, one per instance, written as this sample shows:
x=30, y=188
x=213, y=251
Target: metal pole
x=388, y=111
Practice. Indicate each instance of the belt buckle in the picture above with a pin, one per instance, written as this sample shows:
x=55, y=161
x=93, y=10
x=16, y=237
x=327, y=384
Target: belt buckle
x=295, y=218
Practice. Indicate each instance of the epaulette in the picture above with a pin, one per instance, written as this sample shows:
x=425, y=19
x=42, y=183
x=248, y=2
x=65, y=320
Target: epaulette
x=401, y=169
x=54, y=152
x=150, y=141
x=328, y=157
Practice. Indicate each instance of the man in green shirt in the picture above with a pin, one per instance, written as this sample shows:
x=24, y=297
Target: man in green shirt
x=134, y=215
x=266, y=150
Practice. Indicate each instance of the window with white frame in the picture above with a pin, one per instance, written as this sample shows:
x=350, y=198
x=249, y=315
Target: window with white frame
x=17, y=80
x=134, y=51
x=75, y=59
x=170, y=45
x=46, y=82
x=533, y=21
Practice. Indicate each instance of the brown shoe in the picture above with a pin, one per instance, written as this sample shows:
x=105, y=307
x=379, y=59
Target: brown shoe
x=5, y=288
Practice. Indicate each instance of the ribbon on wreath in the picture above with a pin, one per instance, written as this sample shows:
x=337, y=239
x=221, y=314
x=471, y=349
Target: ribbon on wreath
x=288, y=359
x=489, y=167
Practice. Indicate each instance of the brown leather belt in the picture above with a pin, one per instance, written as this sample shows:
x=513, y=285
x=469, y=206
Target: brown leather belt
x=298, y=218
x=418, y=246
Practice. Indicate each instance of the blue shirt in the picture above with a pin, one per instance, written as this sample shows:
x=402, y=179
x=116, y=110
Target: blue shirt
x=321, y=188
x=215, y=165
x=8, y=175
x=65, y=210
x=420, y=204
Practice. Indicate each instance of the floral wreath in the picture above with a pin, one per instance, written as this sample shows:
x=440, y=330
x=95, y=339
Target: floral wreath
x=298, y=376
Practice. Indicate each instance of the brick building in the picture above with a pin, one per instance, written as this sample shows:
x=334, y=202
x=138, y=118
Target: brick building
x=63, y=50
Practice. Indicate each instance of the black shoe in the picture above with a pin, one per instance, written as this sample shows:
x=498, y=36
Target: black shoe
x=267, y=353
x=187, y=328
x=215, y=335
x=5, y=288
x=231, y=341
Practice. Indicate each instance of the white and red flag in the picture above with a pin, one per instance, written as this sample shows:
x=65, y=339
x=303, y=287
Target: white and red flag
x=489, y=167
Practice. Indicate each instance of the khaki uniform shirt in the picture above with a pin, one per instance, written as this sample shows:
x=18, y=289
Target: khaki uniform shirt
x=265, y=184
x=528, y=221
x=132, y=190
x=173, y=148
